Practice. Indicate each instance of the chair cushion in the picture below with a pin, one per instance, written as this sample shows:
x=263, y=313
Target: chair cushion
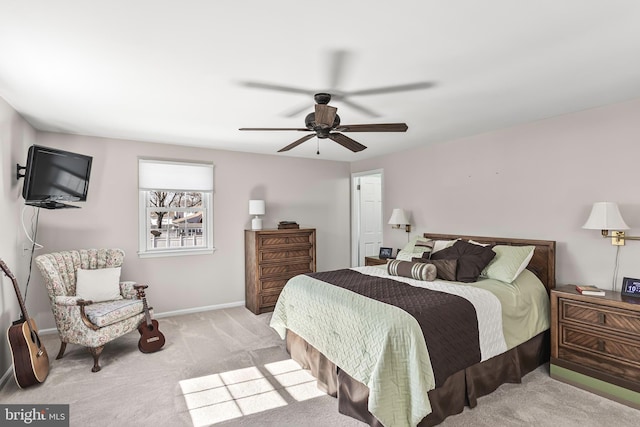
x=106, y=313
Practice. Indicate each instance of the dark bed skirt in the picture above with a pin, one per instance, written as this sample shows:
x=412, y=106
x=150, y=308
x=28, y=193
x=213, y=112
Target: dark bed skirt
x=461, y=389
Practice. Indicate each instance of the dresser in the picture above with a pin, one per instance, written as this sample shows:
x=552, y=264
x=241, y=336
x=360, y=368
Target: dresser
x=271, y=258
x=595, y=343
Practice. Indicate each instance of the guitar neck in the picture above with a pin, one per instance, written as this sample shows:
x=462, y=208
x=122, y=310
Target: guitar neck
x=147, y=315
x=7, y=272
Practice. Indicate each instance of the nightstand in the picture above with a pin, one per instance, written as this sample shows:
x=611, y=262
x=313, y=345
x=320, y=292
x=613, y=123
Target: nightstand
x=375, y=260
x=595, y=343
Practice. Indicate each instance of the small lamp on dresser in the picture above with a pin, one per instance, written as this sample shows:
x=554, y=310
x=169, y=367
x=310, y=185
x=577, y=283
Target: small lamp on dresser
x=256, y=207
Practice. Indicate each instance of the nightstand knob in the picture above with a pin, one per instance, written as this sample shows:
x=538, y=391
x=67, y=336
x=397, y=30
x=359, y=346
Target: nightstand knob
x=601, y=318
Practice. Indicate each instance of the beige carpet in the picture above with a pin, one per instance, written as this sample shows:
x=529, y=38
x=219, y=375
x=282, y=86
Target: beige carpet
x=228, y=368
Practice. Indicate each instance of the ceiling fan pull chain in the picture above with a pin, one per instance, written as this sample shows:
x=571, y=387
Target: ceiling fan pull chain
x=318, y=146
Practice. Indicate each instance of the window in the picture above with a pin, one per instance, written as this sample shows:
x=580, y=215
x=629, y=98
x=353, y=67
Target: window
x=176, y=208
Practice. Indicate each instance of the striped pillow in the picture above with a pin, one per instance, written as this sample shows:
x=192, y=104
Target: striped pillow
x=412, y=270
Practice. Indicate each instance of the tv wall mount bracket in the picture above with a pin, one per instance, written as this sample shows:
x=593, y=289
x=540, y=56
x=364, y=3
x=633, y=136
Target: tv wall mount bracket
x=18, y=169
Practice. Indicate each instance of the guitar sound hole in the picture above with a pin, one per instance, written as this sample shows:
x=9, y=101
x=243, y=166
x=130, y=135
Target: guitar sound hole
x=35, y=339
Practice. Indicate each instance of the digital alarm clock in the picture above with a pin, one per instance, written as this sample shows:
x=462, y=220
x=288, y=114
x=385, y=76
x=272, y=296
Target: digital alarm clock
x=630, y=287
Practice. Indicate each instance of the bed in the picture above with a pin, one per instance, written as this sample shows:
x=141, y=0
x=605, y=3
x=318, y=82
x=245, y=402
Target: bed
x=418, y=364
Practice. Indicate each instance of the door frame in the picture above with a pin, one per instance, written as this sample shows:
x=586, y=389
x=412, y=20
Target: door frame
x=355, y=210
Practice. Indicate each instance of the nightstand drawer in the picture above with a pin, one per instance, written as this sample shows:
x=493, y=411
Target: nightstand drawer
x=579, y=312
x=619, y=348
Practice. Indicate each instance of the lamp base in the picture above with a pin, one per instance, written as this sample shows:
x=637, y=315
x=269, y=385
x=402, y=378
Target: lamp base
x=256, y=223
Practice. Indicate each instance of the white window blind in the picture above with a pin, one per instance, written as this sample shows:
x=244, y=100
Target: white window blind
x=175, y=176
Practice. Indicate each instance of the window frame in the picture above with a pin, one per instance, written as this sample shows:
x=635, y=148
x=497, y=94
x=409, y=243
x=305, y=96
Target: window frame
x=144, y=218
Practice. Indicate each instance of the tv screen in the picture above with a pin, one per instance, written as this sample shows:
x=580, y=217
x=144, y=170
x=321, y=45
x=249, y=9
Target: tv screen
x=54, y=175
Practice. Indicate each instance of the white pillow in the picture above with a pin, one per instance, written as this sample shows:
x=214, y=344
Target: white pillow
x=101, y=284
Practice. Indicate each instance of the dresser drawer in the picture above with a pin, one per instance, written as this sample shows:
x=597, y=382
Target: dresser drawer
x=272, y=285
x=610, y=318
x=290, y=270
x=284, y=254
x=268, y=300
x=280, y=240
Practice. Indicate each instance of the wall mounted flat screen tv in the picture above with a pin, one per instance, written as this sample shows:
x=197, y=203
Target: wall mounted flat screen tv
x=53, y=176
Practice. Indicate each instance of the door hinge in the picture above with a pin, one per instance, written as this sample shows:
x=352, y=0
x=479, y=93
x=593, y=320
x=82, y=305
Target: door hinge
x=358, y=187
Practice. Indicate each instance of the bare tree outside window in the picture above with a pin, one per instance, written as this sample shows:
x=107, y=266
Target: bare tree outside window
x=175, y=219
x=166, y=199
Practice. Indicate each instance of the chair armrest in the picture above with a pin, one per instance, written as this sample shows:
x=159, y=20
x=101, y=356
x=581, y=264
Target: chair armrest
x=82, y=303
x=77, y=302
x=127, y=289
x=69, y=301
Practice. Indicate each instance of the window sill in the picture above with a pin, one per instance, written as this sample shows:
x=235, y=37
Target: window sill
x=181, y=252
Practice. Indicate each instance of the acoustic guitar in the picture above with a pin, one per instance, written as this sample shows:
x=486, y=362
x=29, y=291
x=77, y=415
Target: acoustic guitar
x=30, y=358
x=151, y=339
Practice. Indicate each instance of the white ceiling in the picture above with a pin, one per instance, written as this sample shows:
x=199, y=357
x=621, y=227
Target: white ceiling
x=171, y=71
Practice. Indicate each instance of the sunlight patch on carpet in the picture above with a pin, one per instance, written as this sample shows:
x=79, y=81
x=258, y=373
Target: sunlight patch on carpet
x=220, y=397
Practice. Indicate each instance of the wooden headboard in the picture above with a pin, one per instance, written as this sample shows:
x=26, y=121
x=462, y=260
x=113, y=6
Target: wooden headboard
x=543, y=263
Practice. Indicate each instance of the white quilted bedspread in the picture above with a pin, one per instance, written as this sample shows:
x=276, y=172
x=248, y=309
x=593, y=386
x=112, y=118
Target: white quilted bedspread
x=378, y=344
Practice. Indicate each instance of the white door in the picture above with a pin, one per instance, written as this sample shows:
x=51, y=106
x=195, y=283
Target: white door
x=368, y=195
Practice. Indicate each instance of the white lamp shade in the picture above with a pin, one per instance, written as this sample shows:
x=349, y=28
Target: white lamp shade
x=398, y=217
x=605, y=216
x=256, y=207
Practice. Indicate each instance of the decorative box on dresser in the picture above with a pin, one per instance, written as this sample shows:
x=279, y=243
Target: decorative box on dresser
x=595, y=343
x=271, y=258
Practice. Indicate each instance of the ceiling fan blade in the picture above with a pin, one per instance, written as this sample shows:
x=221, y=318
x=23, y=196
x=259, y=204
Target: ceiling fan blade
x=298, y=142
x=374, y=127
x=358, y=107
x=300, y=129
x=390, y=89
x=280, y=88
x=325, y=115
x=347, y=142
x=338, y=61
x=299, y=109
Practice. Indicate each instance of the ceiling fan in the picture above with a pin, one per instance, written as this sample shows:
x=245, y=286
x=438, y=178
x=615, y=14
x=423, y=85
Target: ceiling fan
x=337, y=61
x=325, y=123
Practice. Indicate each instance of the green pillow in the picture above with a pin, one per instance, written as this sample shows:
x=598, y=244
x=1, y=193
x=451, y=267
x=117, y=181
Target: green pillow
x=508, y=263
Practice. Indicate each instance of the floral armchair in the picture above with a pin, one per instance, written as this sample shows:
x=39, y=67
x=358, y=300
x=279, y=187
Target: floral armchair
x=84, y=322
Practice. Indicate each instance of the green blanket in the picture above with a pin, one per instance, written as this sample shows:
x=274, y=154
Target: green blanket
x=388, y=356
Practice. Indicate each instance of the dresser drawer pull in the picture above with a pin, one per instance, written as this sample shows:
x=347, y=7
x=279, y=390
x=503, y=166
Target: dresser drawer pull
x=600, y=345
x=601, y=318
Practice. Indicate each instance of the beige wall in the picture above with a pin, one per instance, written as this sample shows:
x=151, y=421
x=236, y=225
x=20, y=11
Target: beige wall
x=15, y=138
x=537, y=181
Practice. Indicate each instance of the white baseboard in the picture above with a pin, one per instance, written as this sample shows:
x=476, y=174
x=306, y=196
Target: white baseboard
x=197, y=309
x=6, y=376
x=49, y=331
